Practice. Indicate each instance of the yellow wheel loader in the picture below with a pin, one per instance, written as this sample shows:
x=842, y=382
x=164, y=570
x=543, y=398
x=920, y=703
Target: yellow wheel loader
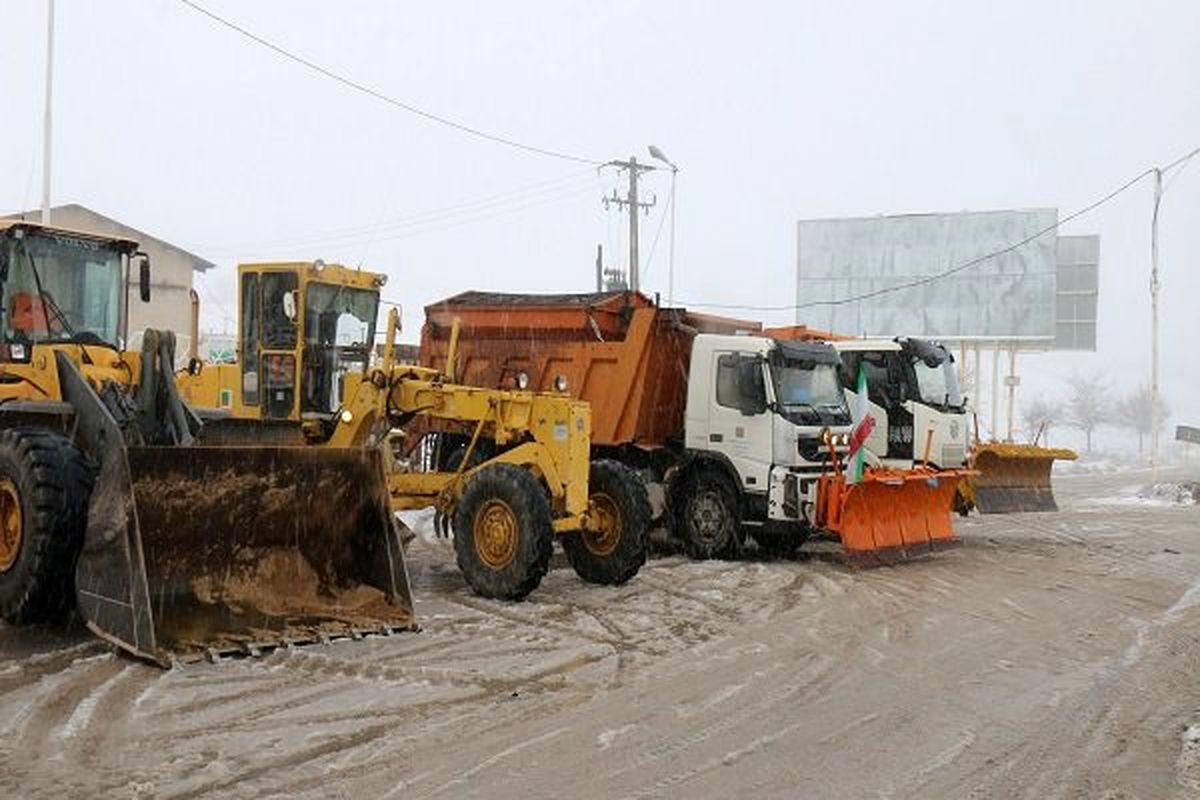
x=508, y=469
x=109, y=503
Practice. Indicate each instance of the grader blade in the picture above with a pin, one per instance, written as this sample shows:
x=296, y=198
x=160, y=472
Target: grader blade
x=1015, y=477
x=205, y=550
x=890, y=515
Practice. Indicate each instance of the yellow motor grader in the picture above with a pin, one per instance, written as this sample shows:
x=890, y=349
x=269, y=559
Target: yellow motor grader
x=507, y=468
x=111, y=503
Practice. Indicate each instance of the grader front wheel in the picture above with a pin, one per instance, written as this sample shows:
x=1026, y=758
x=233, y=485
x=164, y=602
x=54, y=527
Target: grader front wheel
x=503, y=532
x=614, y=548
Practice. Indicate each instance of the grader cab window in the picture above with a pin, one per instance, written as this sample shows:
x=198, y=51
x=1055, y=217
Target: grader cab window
x=339, y=331
x=60, y=288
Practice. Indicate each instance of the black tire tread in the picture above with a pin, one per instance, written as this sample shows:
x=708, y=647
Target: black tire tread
x=55, y=482
x=531, y=505
x=625, y=486
x=691, y=485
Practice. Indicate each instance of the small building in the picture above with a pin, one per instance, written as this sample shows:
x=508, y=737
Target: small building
x=171, y=271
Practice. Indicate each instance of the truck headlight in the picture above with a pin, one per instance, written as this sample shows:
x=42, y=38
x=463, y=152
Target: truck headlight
x=560, y=383
x=522, y=380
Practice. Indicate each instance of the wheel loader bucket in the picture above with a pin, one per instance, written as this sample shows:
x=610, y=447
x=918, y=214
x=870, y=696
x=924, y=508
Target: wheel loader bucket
x=203, y=550
x=890, y=515
x=1015, y=477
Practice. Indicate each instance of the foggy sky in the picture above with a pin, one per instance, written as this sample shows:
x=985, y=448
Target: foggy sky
x=774, y=112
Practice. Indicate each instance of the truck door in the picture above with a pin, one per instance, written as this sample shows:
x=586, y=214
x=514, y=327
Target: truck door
x=268, y=347
x=739, y=422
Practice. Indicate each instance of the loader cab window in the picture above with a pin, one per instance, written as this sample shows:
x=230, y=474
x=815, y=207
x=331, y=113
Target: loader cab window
x=60, y=288
x=339, y=331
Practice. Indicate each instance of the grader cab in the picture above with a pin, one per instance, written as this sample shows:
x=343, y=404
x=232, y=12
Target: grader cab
x=508, y=469
x=109, y=504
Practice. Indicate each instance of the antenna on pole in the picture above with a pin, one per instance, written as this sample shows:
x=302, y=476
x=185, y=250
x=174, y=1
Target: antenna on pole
x=46, y=123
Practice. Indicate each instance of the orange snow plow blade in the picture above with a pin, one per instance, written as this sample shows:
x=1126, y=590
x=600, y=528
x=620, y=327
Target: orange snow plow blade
x=890, y=515
x=1014, y=477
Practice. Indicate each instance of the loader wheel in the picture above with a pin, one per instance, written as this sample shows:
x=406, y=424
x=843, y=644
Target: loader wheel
x=503, y=535
x=44, y=488
x=707, y=517
x=616, y=550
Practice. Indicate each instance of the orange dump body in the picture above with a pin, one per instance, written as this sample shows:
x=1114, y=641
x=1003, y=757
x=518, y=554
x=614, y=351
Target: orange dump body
x=616, y=350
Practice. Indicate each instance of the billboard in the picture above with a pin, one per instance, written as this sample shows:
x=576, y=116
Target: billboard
x=1008, y=297
x=1076, y=293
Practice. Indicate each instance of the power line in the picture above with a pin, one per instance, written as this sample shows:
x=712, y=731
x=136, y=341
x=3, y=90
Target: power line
x=657, y=233
x=444, y=224
x=378, y=95
x=356, y=232
x=961, y=267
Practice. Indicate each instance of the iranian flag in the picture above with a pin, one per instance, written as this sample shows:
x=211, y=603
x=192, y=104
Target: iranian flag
x=864, y=423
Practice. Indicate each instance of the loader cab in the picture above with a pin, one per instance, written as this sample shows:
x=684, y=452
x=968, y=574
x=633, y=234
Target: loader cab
x=60, y=286
x=305, y=327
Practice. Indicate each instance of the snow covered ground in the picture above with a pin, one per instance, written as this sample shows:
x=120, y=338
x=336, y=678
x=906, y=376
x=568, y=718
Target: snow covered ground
x=1051, y=656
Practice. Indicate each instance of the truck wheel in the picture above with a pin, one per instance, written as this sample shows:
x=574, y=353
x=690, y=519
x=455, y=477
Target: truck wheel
x=614, y=552
x=44, y=488
x=707, y=517
x=503, y=535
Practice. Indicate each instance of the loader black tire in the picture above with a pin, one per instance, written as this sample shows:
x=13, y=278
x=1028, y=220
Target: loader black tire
x=614, y=555
x=706, y=516
x=47, y=478
x=503, y=533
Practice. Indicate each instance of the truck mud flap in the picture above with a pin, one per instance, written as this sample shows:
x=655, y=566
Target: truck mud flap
x=193, y=552
x=1015, y=477
x=890, y=515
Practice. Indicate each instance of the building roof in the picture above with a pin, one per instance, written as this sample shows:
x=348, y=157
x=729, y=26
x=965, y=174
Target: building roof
x=107, y=225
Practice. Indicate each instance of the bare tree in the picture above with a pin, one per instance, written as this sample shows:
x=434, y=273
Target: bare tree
x=1088, y=405
x=1040, y=415
x=1134, y=411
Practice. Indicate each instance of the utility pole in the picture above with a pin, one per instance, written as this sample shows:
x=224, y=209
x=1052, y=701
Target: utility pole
x=46, y=126
x=1154, y=286
x=631, y=202
x=599, y=268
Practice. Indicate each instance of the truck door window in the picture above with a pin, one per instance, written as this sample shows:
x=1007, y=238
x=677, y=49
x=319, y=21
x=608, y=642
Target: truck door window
x=740, y=383
x=727, y=383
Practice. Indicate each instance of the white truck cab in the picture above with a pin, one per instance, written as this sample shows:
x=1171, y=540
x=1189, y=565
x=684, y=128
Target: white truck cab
x=758, y=411
x=913, y=393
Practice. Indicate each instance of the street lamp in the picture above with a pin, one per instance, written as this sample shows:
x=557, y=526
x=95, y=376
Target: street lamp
x=659, y=155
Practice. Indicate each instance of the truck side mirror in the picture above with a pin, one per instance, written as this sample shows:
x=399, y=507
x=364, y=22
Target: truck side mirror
x=143, y=277
x=752, y=392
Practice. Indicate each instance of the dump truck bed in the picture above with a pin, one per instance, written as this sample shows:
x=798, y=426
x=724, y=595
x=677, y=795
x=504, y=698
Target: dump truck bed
x=618, y=351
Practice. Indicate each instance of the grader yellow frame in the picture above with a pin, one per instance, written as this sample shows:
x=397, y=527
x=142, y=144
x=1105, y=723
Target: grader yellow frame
x=522, y=472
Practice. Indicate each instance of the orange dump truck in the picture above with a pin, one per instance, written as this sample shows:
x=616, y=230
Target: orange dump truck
x=744, y=432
